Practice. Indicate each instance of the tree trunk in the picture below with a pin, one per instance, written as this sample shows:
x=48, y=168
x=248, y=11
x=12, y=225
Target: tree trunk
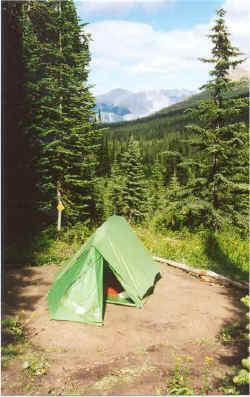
x=204, y=273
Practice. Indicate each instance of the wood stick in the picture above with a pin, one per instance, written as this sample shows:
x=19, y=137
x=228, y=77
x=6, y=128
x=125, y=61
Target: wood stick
x=201, y=273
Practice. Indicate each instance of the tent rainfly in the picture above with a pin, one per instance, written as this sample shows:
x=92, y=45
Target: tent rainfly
x=112, y=266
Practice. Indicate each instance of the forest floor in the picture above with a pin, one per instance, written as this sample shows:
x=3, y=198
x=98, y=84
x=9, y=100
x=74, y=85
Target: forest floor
x=180, y=339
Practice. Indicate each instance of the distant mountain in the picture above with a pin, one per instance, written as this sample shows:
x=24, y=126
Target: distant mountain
x=113, y=97
x=123, y=105
x=171, y=119
x=111, y=113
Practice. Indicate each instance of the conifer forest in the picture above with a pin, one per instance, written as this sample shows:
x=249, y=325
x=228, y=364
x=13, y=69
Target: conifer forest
x=179, y=176
x=186, y=166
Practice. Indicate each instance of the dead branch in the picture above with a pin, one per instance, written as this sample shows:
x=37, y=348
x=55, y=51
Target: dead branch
x=201, y=273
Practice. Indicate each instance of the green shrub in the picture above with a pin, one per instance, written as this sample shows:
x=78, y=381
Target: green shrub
x=242, y=378
x=224, y=252
x=48, y=246
x=36, y=364
x=13, y=339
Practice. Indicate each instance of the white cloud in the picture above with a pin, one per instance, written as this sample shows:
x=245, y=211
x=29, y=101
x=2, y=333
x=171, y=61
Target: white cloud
x=238, y=17
x=237, y=8
x=138, y=48
x=140, y=53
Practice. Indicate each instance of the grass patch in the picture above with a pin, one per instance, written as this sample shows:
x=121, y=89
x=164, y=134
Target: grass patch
x=225, y=252
x=46, y=246
x=124, y=375
x=186, y=379
x=232, y=332
x=36, y=364
x=14, y=342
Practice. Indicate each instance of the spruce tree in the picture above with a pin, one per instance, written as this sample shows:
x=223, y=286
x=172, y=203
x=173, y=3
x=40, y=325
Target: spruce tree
x=173, y=214
x=173, y=211
x=113, y=196
x=59, y=108
x=157, y=186
x=135, y=200
x=221, y=167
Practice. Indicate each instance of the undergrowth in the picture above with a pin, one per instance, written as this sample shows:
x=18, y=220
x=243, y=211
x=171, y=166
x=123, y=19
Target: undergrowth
x=47, y=246
x=14, y=341
x=224, y=252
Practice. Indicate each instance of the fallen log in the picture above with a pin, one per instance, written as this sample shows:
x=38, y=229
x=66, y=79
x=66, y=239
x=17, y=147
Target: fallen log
x=204, y=273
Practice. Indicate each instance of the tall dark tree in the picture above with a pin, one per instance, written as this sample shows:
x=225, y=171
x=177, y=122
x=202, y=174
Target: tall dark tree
x=221, y=168
x=113, y=196
x=157, y=191
x=135, y=200
x=18, y=175
x=59, y=116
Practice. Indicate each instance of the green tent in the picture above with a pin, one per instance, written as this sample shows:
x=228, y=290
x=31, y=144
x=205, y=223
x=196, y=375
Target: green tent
x=79, y=291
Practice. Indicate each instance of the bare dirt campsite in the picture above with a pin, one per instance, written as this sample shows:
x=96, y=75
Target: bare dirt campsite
x=136, y=351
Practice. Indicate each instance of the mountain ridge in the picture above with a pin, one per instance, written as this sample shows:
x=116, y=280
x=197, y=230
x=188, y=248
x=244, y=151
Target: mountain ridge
x=169, y=119
x=123, y=105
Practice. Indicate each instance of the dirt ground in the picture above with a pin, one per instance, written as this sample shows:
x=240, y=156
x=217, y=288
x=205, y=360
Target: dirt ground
x=134, y=351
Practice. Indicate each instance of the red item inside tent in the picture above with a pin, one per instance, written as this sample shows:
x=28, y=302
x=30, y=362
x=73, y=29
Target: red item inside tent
x=111, y=291
x=112, y=285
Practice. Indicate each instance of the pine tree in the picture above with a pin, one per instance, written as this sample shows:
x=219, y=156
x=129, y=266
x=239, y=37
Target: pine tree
x=174, y=217
x=104, y=168
x=59, y=109
x=157, y=186
x=135, y=200
x=173, y=214
x=113, y=197
x=173, y=186
x=220, y=185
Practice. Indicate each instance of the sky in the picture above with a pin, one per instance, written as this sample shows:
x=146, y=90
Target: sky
x=143, y=45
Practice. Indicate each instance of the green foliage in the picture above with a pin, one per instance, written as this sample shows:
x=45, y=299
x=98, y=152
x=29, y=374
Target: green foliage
x=165, y=130
x=126, y=193
x=230, y=249
x=156, y=188
x=178, y=383
x=174, y=215
x=220, y=185
x=13, y=326
x=58, y=108
x=237, y=380
x=229, y=390
x=36, y=364
x=134, y=191
x=230, y=332
x=13, y=339
x=209, y=157
x=47, y=247
x=113, y=196
x=246, y=301
x=246, y=363
x=227, y=386
x=242, y=378
x=226, y=253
